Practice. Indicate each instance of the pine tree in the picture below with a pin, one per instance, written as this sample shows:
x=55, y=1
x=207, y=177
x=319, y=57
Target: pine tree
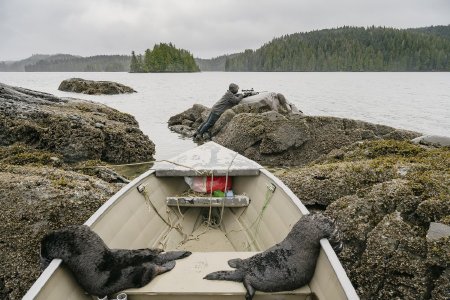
x=135, y=66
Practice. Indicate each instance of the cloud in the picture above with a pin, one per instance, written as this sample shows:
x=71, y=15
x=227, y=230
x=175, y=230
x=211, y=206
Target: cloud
x=206, y=28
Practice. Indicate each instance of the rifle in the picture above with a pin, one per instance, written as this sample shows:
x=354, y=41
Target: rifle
x=249, y=92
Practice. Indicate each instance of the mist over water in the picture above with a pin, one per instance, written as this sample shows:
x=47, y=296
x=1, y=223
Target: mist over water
x=412, y=101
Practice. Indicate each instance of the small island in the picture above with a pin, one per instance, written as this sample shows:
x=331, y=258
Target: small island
x=164, y=58
x=91, y=87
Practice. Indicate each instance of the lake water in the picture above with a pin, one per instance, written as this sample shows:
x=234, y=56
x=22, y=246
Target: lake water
x=413, y=101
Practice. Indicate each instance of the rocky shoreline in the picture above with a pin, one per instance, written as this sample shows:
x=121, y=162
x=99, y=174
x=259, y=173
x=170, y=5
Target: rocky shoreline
x=51, y=175
x=385, y=191
x=277, y=137
x=384, y=195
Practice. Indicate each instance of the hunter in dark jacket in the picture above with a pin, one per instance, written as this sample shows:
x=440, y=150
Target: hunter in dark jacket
x=230, y=99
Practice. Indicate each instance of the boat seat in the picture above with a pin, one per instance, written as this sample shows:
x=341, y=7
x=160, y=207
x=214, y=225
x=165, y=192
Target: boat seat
x=186, y=281
x=235, y=201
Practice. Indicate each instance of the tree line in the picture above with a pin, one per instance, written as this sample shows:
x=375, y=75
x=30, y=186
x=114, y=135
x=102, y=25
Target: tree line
x=163, y=58
x=340, y=49
x=348, y=49
x=69, y=63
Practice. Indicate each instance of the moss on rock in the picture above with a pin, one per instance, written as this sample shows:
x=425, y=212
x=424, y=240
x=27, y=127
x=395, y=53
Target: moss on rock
x=384, y=194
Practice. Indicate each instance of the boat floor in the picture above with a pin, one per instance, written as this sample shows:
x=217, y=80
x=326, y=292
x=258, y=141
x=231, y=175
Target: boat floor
x=211, y=249
x=186, y=281
x=207, y=239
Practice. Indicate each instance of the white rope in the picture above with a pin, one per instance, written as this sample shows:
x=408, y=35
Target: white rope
x=226, y=188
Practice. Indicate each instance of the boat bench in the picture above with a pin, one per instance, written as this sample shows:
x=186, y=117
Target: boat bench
x=235, y=201
x=186, y=281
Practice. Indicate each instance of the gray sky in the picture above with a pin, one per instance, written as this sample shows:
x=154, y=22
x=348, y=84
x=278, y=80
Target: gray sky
x=207, y=28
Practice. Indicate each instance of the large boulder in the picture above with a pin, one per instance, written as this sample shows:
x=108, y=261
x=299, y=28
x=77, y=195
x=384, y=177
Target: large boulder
x=91, y=87
x=76, y=129
x=267, y=101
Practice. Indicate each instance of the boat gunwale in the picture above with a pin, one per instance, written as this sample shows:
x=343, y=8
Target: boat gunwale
x=345, y=282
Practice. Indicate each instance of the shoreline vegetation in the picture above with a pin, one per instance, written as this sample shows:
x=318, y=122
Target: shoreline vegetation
x=344, y=49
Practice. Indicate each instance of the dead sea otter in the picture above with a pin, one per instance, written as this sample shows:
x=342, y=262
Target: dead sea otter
x=100, y=270
x=288, y=265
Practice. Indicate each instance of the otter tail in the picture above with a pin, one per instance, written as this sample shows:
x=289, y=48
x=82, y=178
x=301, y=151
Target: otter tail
x=226, y=275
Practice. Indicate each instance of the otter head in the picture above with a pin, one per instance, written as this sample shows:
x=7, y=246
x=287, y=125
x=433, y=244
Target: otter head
x=316, y=227
x=61, y=244
x=330, y=231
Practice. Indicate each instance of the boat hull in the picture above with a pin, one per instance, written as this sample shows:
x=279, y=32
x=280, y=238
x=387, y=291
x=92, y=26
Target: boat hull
x=132, y=219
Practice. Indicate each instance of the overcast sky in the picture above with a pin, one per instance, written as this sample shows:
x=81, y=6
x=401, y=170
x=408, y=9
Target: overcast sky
x=207, y=28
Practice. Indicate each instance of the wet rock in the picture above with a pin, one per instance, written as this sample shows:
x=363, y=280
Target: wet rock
x=75, y=129
x=432, y=140
x=91, y=87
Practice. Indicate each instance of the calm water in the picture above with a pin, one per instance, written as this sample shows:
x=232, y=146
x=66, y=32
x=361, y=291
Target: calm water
x=414, y=101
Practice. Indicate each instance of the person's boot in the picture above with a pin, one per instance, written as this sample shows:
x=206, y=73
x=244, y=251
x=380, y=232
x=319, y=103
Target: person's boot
x=206, y=136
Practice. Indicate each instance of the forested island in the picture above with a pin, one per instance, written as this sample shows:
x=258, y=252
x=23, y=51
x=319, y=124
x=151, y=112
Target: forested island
x=348, y=49
x=163, y=58
x=341, y=49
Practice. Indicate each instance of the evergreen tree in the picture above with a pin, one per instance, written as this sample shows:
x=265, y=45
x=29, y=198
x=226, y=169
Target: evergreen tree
x=135, y=66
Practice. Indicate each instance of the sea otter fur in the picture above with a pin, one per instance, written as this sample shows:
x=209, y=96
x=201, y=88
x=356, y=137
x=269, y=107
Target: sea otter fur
x=102, y=271
x=288, y=265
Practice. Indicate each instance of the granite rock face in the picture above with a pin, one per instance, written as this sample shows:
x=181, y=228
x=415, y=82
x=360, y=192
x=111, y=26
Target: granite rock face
x=91, y=87
x=282, y=138
x=76, y=129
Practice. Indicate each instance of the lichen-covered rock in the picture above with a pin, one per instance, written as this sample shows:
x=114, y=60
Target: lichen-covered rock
x=384, y=194
x=75, y=129
x=91, y=87
x=35, y=199
x=441, y=286
x=323, y=184
x=393, y=265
